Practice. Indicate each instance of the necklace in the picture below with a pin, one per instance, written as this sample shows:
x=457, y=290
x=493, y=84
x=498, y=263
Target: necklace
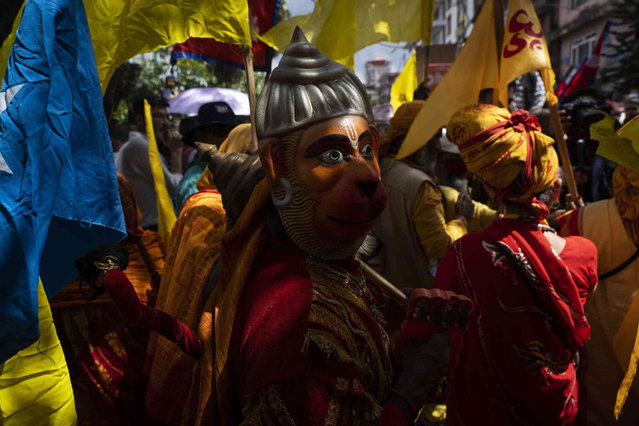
x=356, y=283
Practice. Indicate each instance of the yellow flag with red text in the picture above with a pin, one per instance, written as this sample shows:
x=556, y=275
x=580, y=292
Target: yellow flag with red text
x=524, y=50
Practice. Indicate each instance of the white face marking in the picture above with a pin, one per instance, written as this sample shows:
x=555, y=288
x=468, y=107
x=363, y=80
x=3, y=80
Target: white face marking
x=351, y=132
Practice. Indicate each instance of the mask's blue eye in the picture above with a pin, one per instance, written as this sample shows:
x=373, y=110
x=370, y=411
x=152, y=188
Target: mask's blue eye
x=332, y=156
x=367, y=151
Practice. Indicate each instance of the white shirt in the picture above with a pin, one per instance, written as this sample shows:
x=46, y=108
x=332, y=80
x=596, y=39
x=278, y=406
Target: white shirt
x=133, y=163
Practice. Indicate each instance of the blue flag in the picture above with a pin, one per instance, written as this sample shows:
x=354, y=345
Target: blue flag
x=58, y=185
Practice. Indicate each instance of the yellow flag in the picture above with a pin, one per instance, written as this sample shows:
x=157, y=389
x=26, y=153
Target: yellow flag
x=474, y=69
x=121, y=29
x=38, y=373
x=405, y=85
x=339, y=28
x=5, y=48
x=166, y=214
x=524, y=50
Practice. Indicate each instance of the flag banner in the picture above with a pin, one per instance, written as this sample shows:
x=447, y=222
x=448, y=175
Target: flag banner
x=121, y=29
x=405, y=84
x=264, y=14
x=340, y=28
x=58, y=187
x=474, y=69
x=524, y=50
x=587, y=72
x=166, y=213
x=7, y=38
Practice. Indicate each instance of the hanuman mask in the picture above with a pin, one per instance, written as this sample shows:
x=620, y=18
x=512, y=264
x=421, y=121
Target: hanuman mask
x=318, y=146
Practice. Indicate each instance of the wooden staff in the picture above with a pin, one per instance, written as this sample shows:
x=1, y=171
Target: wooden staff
x=247, y=53
x=499, y=38
x=383, y=284
x=563, y=153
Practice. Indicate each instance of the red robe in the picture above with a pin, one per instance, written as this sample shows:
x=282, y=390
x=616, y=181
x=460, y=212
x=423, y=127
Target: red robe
x=517, y=365
x=307, y=351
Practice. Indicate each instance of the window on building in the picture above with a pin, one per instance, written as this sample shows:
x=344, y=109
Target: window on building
x=581, y=48
x=449, y=26
x=576, y=3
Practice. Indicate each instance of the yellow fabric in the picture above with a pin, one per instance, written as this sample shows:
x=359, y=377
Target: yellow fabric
x=340, y=28
x=166, y=214
x=483, y=215
x=531, y=56
x=35, y=388
x=625, y=189
x=194, y=248
x=405, y=84
x=621, y=147
x=607, y=309
x=241, y=247
x=625, y=184
x=402, y=120
x=121, y=29
x=238, y=140
x=435, y=234
x=5, y=48
x=499, y=158
x=205, y=181
x=474, y=69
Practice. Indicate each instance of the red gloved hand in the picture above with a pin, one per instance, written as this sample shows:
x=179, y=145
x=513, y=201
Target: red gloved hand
x=435, y=311
x=126, y=300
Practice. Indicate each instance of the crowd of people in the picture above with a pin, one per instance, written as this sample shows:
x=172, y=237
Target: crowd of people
x=516, y=299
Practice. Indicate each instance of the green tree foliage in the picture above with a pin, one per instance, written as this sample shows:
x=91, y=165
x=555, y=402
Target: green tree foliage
x=625, y=73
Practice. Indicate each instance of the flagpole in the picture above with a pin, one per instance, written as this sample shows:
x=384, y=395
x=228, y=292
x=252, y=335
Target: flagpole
x=247, y=53
x=563, y=152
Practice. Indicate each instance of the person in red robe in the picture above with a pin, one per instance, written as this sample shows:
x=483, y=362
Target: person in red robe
x=291, y=333
x=529, y=286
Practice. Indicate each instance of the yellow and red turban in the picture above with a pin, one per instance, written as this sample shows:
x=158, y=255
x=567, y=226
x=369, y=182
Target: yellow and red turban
x=625, y=189
x=402, y=120
x=499, y=148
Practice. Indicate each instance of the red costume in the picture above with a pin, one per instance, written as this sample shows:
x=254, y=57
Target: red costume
x=517, y=365
x=528, y=286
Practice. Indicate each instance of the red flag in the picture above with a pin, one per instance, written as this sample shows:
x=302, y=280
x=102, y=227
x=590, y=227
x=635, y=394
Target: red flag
x=560, y=89
x=263, y=14
x=587, y=72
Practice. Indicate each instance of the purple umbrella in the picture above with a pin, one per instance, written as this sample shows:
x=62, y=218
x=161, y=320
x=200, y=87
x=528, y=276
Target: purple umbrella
x=189, y=101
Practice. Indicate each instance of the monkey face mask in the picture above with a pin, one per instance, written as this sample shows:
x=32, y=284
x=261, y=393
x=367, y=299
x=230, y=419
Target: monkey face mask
x=326, y=185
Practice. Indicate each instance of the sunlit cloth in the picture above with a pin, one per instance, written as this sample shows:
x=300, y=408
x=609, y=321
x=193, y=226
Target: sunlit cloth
x=499, y=148
x=483, y=215
x=516, y=366
x=193, y=249
x=238, y=140
x=625, y=188
x=402, y=120
x=435, y=232
x=35, y=388
x=612, y=312
x=241, y=248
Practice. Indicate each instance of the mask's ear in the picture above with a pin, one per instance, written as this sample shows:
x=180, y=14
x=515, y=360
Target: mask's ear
x=271, y=157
